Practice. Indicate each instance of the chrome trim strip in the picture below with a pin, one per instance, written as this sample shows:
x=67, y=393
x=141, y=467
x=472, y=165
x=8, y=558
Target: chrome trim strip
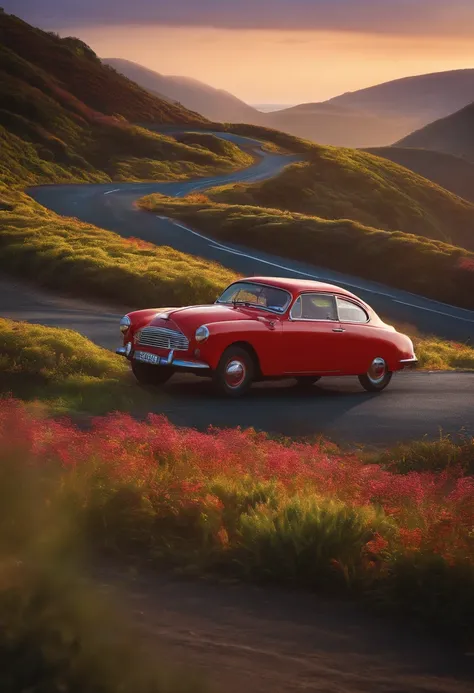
x=178, y=363
x=412, y=360
x=163, y=338
x=190, y=364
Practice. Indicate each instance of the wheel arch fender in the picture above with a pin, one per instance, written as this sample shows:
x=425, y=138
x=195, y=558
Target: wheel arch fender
x=243, y=344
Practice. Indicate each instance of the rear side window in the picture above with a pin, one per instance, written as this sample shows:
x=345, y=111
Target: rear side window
x=350, y=312
x=314, y=307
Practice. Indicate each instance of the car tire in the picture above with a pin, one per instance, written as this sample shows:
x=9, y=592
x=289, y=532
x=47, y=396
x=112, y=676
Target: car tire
x=235, y=373
x=147, y=374
x=377, y=377
x=304, y=381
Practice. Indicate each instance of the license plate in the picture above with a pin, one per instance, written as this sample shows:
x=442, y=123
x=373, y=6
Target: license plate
x=146, y=357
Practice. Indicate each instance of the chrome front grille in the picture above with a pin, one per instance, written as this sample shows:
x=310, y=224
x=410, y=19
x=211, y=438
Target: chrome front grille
x=163, y=338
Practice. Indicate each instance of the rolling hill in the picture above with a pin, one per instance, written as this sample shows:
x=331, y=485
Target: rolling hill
x=451, y=172
x=378, y=115
x=336, y=125
x=63, y=117
x=339, y=183
x=451, y=135
x=422, y=97
x=216, y=104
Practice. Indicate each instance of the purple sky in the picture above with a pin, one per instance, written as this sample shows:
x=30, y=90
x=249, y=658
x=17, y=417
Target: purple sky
x=410, y=17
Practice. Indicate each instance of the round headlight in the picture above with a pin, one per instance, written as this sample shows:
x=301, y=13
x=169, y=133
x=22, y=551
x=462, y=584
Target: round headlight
x=125, y=323
x=202, y=333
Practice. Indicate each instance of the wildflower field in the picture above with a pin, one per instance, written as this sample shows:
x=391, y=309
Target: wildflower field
x=239, y=503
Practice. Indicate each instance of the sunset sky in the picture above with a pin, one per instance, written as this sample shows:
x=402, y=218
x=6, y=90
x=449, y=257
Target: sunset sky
x=270, y=51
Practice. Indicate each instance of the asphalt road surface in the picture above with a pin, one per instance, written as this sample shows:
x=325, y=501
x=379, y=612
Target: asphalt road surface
x=111, y=206
x=414, y=405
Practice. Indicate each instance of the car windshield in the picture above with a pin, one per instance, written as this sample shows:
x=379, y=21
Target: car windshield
x=258, y=295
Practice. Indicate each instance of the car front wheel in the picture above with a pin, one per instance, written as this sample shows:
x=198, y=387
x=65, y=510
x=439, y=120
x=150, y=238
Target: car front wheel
x=235, y=372
x=377, y=377
x=147, y=374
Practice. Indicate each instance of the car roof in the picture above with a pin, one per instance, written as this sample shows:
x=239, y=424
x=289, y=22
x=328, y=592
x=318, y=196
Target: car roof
x=298, y=285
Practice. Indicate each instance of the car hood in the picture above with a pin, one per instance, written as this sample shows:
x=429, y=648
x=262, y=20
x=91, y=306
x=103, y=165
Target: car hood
x=190, y=318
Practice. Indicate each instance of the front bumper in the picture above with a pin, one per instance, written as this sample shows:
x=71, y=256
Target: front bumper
x=170, y=360
x=409, y=363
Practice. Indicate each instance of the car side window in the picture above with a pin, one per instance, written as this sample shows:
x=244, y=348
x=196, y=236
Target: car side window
x=314, y=307
x=350, y=312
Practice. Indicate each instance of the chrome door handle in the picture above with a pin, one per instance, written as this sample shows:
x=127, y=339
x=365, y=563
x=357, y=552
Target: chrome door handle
x=338, y=329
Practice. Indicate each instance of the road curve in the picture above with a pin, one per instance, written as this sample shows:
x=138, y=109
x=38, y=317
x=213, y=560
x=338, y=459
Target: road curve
x=112, y=206
x=414, y=405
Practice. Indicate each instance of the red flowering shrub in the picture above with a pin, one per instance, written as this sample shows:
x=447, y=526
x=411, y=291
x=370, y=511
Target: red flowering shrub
x=234, y=499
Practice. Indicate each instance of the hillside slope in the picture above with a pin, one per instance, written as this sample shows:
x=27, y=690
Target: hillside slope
x=347, y=184
x=451, y=135
x=49, y=134
x=216, y=104
x=425, y=97
x=76, y=68
x=451, y=172
x=334, y=124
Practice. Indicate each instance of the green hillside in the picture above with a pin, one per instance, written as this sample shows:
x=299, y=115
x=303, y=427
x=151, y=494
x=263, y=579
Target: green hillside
x=339, y=183
x=75, y=67
x=51, y=130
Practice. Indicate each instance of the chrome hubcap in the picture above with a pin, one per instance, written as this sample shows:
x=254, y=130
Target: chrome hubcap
x=377, y=370
x=235, y=373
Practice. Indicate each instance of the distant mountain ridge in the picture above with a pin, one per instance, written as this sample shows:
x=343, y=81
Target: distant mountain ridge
x=451, y=135
x=215, y=104
x=426, y=97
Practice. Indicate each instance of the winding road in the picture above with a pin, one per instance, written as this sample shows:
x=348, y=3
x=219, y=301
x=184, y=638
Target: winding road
x=262, y=639
x=416, y=404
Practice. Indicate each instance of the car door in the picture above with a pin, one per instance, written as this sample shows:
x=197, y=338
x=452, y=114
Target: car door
x=312, y=335
x=359, y=341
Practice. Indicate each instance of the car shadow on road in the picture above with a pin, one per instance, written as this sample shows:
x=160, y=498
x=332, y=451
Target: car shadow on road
x=276, y=407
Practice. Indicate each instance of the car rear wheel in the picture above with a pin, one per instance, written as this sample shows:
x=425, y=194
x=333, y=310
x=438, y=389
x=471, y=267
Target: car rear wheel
x=235, y=372
x=147, y=374
x=307, y=380
x=377, y=377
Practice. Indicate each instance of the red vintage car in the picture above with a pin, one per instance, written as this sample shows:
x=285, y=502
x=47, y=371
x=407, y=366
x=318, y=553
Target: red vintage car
x=267, y=328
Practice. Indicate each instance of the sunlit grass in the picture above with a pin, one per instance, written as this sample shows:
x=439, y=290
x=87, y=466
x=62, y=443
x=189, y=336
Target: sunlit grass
x=64, y=371
x=395, y=259
x=82, y=259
